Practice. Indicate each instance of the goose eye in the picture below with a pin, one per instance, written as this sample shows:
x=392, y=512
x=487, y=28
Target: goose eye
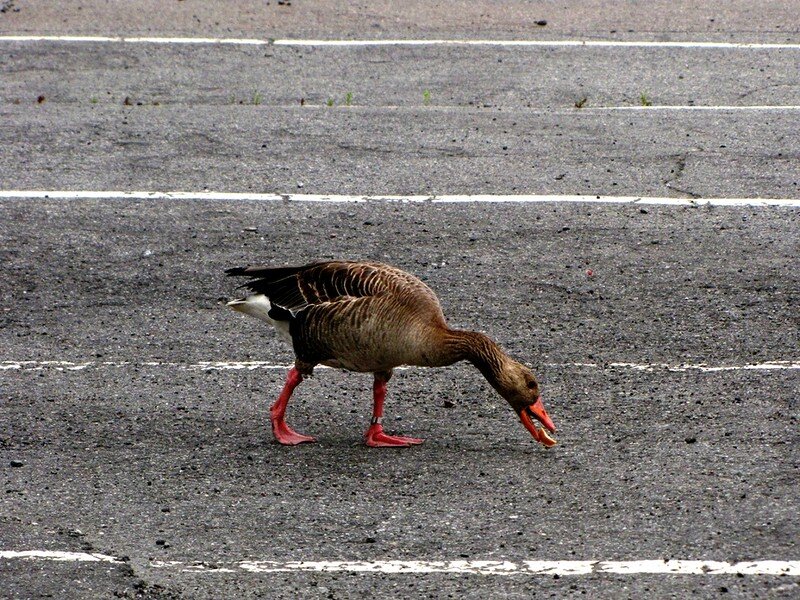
x=531, y=385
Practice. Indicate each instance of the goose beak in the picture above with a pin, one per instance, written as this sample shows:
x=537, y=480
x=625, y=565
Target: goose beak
x=537, y=411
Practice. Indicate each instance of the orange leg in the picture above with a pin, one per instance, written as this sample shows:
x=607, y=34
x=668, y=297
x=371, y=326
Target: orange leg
x=282, y=432
x=375, y=437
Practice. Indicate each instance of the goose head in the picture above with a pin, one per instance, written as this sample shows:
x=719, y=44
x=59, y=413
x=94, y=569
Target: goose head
x=518, y=385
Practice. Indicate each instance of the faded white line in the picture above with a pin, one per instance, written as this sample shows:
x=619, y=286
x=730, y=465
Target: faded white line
x=404, y=42
x=135, y=195
x=567, y=110
x=66, y=365
x=665, y=201
x=252, y=365
x=99, y=39
x=547, y=43
x=789, y=568
x=57, y=556
x=701, y=567
x=347, y=199
x=705, y=368
x=480, y=567
x=675, y=107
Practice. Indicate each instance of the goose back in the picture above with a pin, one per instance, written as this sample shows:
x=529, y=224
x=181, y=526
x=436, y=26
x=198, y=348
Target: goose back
x=359, y=316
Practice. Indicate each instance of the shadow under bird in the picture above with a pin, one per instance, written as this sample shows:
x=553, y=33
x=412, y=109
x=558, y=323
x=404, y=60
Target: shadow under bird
x=370, y=317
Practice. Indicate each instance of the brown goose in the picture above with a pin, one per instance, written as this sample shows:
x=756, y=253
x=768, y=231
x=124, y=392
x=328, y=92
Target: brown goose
x=371, y=317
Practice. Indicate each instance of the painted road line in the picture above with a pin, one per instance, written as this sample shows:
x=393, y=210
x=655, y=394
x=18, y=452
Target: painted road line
x=788, y=568
x=57, y=556
x=533, y=567
x=98, y=39
x=703, y=367
x=676, y=107
x=253, y=365
x=135, y=195
x=545, y=43
x=540, y=110
x=404, y=42
x=349, y=199
x=665, y=201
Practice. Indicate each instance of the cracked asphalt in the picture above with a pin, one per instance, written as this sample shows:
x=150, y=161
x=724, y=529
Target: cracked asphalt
x=146, y=457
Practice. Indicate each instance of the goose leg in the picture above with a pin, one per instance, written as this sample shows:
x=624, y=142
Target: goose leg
x=375, y=437
x=282, y=432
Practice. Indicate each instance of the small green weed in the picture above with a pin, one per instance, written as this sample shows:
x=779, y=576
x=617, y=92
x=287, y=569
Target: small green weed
x=348, y=98
x=426, y=97
x=644, y=100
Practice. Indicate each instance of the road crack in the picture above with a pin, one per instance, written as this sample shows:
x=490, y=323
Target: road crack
x=135, y=586
x=676, y=173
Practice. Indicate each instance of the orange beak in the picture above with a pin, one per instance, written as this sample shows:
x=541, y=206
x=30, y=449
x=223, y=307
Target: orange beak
x=537, y=410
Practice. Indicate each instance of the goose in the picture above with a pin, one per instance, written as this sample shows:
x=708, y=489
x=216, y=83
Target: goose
x=370, y=317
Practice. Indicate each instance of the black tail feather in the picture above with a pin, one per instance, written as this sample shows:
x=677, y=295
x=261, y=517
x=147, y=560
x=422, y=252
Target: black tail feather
x=268, y=273
x=279, y=284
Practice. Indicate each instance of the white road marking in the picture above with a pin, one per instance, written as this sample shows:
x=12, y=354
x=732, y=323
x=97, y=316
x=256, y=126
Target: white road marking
x=404, y=42
x=755, y=107
x=666, y=201
x=482, y=567
x=58, y=556
x=252, y=365
x=347, y=199
x=547, y=44
x=562, y=110
x=99, y=39
x=702, y=567
x=704, y=368
x=475, y=567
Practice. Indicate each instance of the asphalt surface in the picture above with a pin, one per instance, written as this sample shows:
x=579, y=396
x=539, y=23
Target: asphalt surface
x=539, y=78
x=723, y=20
x=375, y=152
x=144, y=455
x=495, y=120
x=107, y=450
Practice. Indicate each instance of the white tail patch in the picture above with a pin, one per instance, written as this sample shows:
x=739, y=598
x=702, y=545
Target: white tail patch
x=258, y=306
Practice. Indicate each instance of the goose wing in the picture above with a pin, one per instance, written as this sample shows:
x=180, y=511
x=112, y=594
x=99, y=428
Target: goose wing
x=296, y=288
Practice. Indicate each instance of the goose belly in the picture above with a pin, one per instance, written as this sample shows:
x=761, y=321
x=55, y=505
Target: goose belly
x=372, y=349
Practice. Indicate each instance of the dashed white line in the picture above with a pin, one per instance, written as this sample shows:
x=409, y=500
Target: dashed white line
x=252, y=365
x=403, y=42
x=353, y=198
x=790, y=568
